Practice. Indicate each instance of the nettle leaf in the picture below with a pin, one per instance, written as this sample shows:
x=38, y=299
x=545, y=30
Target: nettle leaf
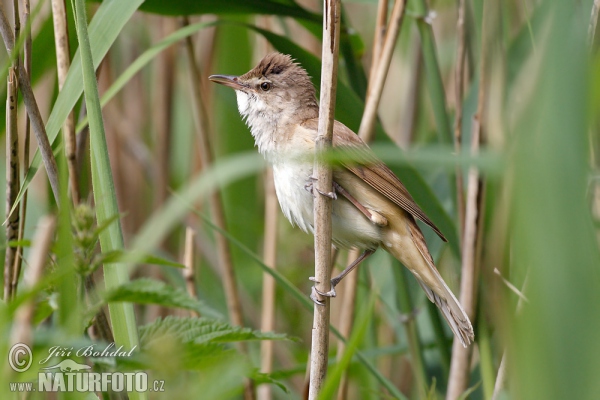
x=260, y=377
x=199, y=342
x=151, y=291
x=200, y=331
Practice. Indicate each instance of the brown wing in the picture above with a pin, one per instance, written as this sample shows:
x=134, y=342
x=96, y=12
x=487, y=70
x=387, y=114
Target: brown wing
x=373, y=172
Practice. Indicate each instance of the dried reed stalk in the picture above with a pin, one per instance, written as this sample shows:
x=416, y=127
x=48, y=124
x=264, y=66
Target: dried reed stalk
x=367, y=124
x=189, y=272
x=593, y=22
x=12, y=180
x=32, y=108
x=63, y=62
x=201, y=119
x=268, y=291
x=461, y=357
x=322, y=204
x=347, y=318
x=458, y=91
x=26, y=144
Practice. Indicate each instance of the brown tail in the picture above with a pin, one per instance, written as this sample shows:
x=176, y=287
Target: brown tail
x=438, y=292
x=454, y=314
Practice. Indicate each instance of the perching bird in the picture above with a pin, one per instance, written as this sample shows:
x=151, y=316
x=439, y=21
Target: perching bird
x=371, y=207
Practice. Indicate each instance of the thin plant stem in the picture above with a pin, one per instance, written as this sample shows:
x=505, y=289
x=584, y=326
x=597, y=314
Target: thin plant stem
x=26, y=144
x=12, y=166
x=459, y=74
x=189, y=273
x=414, y=345
x=434, y=79
x=268, y=291
x=378, y=40
x=347, y=319
x=593, y=22
x=367, y=124
x=322, y=204
x=267, y=323
x=461, y=357
x=12, y=180
x=163, y=105
x=32, y=108
x=201, y=120
x=63, y=62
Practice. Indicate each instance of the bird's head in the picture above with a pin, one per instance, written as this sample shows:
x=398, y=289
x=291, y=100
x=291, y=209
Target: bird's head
x=277, y=91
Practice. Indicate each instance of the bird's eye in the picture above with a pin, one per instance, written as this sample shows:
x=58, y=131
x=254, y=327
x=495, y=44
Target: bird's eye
x=265, y=86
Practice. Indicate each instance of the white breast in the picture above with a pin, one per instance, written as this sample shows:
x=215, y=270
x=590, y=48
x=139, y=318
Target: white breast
x=295, y=201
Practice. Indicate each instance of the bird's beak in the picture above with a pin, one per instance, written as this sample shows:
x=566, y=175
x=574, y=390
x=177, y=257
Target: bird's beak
x=228, y=80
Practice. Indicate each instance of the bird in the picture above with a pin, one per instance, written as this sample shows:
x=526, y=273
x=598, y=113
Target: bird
x=371, y=208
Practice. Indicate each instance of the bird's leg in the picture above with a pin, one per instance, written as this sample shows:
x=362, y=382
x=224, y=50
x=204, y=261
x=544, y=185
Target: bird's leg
x=337, y=279
x=373, y=216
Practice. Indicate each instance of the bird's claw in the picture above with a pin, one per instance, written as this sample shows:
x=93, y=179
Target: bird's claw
x=330, y=293
x=331, y=195
x=309, y=188
x=314, y=297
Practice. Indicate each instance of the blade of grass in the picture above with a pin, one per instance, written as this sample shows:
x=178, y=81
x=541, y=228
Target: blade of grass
x=122, y=315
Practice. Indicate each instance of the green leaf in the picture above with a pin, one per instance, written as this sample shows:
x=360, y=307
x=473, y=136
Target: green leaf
x=260, y=378
x=151, y=291
x=117, y=256
x=200, y=330
x=220, y=7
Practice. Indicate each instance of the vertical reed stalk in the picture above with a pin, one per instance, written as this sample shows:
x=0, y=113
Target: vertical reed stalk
x=201, y=120
x=593, y=22
x=189, y=272
x=347, y=318
x=459, y=74
x=367, y=124
x=12, y=180
x=63, y=62
x=322, y=204
x=461, y=357
x=26, y=144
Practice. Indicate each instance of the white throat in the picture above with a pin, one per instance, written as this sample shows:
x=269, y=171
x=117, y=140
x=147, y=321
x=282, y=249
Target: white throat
x=262, y=124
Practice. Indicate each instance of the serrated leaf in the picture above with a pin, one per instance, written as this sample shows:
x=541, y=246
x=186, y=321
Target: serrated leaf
x=200, y=330
x=150, y=291
x=260, y=378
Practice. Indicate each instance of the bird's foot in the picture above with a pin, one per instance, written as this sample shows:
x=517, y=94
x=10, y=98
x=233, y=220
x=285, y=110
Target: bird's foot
x=330, y=293
x=310, y=188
